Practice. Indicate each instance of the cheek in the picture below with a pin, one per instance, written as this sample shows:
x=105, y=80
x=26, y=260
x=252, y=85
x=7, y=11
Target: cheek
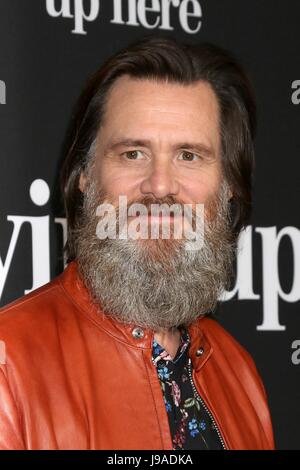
x=203, y=188
x=115, y=181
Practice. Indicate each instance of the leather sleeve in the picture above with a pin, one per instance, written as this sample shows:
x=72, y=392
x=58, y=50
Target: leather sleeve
x=10, y=426
x=257, y=393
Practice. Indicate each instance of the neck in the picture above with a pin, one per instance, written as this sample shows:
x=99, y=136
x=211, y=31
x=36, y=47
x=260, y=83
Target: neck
x=169, y=339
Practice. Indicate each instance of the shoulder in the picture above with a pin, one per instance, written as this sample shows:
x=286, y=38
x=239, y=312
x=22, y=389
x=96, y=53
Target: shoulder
x=31, y=315
x=224, y=342
x=27, y=303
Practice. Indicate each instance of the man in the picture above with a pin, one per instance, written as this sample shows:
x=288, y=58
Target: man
x=121, y=351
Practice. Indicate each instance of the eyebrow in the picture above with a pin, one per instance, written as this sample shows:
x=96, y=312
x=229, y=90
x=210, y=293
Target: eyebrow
x=196, y=146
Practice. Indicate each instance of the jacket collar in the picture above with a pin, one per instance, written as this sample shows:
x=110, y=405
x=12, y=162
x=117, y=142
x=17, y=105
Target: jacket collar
x=200, y=349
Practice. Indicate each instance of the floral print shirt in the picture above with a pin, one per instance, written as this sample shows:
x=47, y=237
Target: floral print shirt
x=190, y=424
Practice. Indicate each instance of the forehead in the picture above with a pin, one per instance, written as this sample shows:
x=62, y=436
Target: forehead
x=167, y=110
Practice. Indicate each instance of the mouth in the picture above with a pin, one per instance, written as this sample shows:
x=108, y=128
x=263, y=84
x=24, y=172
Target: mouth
x=157, y=218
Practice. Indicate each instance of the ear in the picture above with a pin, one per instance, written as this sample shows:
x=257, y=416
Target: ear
x=82, y=182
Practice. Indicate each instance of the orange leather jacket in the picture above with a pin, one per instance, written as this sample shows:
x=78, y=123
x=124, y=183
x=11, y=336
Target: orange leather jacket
x=72, y=378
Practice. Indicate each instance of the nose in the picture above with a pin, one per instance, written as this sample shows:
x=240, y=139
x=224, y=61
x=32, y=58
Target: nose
x=160, y=181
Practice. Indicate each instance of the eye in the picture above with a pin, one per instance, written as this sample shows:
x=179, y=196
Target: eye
x=132, y=154
x=189, y=156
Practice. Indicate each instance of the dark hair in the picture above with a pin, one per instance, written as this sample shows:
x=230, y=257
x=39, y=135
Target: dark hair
x=164, y=58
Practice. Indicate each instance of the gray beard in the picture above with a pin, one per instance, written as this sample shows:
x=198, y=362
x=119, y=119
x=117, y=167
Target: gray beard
x=155, y=284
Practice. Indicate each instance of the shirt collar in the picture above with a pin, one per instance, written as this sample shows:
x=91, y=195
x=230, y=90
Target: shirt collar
x=160, y=354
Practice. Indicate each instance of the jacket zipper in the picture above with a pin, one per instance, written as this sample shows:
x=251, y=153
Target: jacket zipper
x=204, y=406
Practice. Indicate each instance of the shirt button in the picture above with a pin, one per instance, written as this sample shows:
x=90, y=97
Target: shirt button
x=138, y=333
x=199, y=352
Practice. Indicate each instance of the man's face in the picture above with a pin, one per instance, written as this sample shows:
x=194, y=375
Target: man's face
x=159, y=140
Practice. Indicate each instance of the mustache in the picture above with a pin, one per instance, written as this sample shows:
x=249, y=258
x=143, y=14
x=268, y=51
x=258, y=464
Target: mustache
x=147, y=201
